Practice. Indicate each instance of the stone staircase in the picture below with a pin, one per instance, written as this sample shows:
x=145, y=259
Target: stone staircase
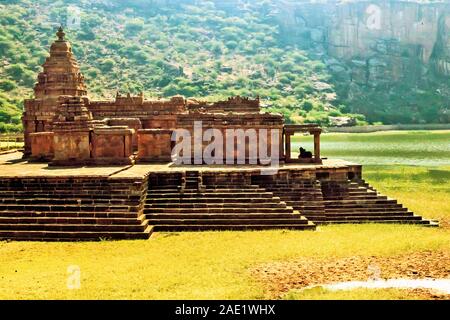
x=304, y=196
x=194, y=206
x=357, y=202
x=66, y=209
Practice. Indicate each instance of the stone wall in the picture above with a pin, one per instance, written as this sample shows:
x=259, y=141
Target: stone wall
x=42, y=146
x=154, y=145
x=112, y=145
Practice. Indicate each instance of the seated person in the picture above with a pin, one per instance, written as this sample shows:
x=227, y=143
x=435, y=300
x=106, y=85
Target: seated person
x=304, y=154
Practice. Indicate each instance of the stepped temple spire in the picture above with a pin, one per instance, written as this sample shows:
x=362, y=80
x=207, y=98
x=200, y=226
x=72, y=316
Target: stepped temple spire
x=60, y=34
x=61, y=74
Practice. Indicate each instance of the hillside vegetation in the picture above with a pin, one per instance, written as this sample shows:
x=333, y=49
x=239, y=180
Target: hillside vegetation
x=164, y=48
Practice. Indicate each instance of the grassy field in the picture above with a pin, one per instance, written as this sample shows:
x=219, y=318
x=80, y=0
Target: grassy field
x=218, y=265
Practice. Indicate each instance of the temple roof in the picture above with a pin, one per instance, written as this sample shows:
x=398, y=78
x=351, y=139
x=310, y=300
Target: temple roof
x=61, y=74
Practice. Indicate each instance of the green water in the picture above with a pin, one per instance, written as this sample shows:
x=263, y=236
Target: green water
x=421, y=148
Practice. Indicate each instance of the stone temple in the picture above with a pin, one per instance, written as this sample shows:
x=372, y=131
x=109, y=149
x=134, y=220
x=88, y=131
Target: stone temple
x=107, y=169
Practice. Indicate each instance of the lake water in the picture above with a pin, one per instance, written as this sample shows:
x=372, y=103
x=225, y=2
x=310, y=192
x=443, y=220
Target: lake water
x=438, y=285
x=421, y=148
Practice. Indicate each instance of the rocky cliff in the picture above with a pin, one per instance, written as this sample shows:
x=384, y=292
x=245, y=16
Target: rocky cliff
x=392, y=52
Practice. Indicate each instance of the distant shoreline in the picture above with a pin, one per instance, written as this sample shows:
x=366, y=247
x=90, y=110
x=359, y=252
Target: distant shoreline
x=375, y=128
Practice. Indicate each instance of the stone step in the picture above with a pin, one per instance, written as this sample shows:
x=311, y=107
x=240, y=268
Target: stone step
x=64, y=188
x=233, y=186
x=400, y=221
x=360, y=202
x=218, y=210
x=73, y=227
x=235, y=190
x=289, y=185
x=211, y=195
x=328, y=198
x=369, y=214
x=69, y=214
x=314, y=202
x=101, y=195
x=212, y=200
x=360, y=192
x=71, y=220
x=213, y=227
x=65, y=201
x=205, y=216
x=271, y=222
x=51, y=207
x=372, y=217
x=295, y=190
x=365, y=209
x=308, y=208
x=214, y=205
x=299, y=197
x=34, y=235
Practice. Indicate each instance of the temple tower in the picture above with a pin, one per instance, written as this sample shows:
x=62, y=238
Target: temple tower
x=60, y=76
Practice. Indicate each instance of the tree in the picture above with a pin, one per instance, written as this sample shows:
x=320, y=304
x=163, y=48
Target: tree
x=107, y=65
x=134, y=26
x=307, y=105
x=7, y=85
x=15, y=71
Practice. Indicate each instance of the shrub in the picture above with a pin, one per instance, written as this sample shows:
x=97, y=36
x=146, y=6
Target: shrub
x=231, y=45
x=7, y=85
x=307, y=105
x=335, y=113
x=15, y=71
x=107, y=65
x=134, y=26
x=5, y=47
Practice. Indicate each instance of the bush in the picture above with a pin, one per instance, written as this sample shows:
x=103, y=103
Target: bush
x=7, y=85
x=92, y=73
x=15, y=71
x=231, y=45
x=29, y=78
x=307, y=105
x=335, y=113
x=107, y=65
x=134, y=26
x=5, y=47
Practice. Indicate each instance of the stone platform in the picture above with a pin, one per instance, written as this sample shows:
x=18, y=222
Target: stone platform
x=38, y=202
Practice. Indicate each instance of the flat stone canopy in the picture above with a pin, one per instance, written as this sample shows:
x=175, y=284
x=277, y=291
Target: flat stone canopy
x=12, y=165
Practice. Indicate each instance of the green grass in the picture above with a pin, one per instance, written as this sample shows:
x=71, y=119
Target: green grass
x=216, y=265
x=10, y=145
x=209, y=265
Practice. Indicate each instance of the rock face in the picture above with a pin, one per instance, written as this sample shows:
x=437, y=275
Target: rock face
x=367, y=45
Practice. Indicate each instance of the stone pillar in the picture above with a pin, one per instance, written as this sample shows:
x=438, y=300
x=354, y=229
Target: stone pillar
x=317, y=147
x=287, y=137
